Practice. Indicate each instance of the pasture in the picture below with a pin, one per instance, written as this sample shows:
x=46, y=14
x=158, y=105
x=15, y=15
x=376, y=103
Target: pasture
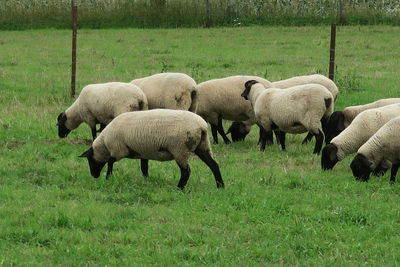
x=277, y=208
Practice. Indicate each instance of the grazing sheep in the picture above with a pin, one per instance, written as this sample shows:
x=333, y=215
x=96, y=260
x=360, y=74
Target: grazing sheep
x=383, y=146
x=220, y=99
x=159, y=134
x=339, y=120
x=297, y=109
x=169, y=91
x=239, y=130
x=366, y=124
x=100, y=103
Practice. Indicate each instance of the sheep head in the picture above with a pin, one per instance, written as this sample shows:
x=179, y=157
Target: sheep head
x=94, y=165
x=329, y=157
x=247, y=87
x=334, y=126
x=361, y=168
x=238, y=131
x=63, y=131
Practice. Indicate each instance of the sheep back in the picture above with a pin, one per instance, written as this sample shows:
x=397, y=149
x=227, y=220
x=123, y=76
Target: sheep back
x=169, y=91
x=308, y=79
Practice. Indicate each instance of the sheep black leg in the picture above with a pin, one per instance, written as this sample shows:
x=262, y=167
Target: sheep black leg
x=263, y=140
x=319, y=140
x=282, y=140
x=102, y=126
x=277, y=137
x=307, y=138
x=221, y=131
x=380, y=169
x=214, y=133
x=264, y=134
x=212, y=164
x=94, y=134
x=393, y=173
x=144, y=167
x=185, y=173
x=110, y=166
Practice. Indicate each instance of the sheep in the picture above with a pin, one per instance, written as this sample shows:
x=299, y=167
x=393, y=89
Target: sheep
x=100, y=103
x=158, y=134
x=364, y=125
x=169, y=91
x=297, y=109
x=383, y=146
x=237, y=128
x=339, y=120
x=220, y=99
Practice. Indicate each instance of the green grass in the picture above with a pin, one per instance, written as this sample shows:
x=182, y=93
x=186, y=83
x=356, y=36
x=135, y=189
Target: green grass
x=33, y=14
x=278, y=208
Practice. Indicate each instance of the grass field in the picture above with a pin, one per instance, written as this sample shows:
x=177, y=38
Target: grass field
x=277, y=208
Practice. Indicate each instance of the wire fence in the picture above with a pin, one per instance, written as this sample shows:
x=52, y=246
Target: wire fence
x=21, y=14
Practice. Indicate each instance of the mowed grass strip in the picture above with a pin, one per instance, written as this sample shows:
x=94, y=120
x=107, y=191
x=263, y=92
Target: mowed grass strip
x=277, y=208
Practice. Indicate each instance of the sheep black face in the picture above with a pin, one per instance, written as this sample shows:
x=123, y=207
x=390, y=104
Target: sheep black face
x=247, y=87
x=329, y=157
x=334, y=126
x=63, y=131
x=238, y=131
x=94, y=165
x=360, y=167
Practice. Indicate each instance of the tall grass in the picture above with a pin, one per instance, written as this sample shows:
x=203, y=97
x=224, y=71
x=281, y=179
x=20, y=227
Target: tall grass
x=24, y=14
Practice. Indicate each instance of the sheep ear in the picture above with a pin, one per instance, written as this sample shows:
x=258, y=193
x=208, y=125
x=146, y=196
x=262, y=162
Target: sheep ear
x=247, y=87
x=88, y=153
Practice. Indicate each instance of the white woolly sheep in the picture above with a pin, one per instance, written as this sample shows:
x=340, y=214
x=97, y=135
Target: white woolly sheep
x=159, y=134
x=169, y=91
x=297, y=109
x=383, y=146
x=100, y=103
x=239, y=129
x=364, y=125
x=220, y=99
x=307, y=79
x=339, y=120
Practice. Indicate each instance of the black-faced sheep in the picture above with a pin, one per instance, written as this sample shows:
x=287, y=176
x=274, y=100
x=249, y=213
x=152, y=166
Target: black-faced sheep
x=339, y=120
x=99, y=104
x=239, y=130
x=364, y=125
x=298, y=109
x=383, y=146
x=159, y=134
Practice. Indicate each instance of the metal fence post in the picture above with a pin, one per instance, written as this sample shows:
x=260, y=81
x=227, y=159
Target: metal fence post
x=332, y=53
x=74, y=10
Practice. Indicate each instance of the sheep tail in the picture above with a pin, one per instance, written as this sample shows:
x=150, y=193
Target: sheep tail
x=194, y=98
x=329, y=107
x=204, y=144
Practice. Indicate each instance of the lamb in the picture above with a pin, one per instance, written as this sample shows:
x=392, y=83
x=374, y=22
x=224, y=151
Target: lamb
x=366, y=124
x=239, y=130
x=100, y=103
x=169, y=91
x=297, y=109
x=339, y=120
x=158, y=134
x=220, y=99
x=383, y=146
